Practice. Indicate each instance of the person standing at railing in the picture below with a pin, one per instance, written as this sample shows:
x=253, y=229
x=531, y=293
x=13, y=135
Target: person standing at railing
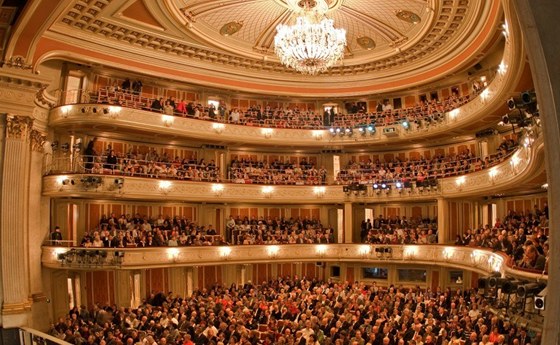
x=89, y=154
x=56, y=236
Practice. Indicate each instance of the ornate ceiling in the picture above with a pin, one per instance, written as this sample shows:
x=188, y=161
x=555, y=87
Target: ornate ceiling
x=392, y=44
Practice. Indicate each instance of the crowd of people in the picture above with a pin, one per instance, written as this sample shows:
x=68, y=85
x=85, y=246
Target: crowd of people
x=298, y=311
x=440, y=166
x=426, y=111
x=278, y=231
x=277, y=172
x=152, y=164
x=399, y=230
x=126, y=231
x=522, y=236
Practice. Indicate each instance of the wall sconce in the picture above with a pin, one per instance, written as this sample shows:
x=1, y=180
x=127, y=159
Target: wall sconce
x=321, y=250
x=492, y=173
x=319, y=191
x=217, y=189
x=167, y=120
x=454, y=113
x=267, y=191
x=273, y=251
x=60, y=180
x=484, y=95
x=410, y=252
x=460, y=181
x=364, y=250
x=225, y=252
x=448, y=252
x=528, y=141
x=114, y=111
x=515, y=160
x=165, y=186
x=544, y=186
x=318, y=135
x=173, y=254
x=495, y=263
x=65, y=111
x=502, y=68
x=267, y=132
x=218, y=127
x=60, y=253
x=477, y=257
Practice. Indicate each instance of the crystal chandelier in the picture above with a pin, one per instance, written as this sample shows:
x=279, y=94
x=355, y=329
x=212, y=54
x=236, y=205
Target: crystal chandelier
x=312, y=44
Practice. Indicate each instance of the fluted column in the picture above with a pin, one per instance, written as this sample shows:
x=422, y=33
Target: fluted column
x=14, y=223
x=190, y=280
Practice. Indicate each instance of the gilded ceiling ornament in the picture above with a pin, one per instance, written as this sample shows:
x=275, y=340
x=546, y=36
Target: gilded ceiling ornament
x=231, y=28
x=408, y=16
x=18, y=127
x=366, y=42
x=38, y=140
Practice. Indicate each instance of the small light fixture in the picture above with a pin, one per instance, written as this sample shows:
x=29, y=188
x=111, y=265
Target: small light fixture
x=225, y=252
x=321, y=249
x=217, y=189
x=65, y=111
x=448, y=252
x=167, y=120
x=267, y=191
x=493, y=172
x=454, y=113
x=317, y=134
x=502, y=68
x=218, y=127
x=61, y=179
x=273, y=251
x=484, y=95
x=319, y=191
x=267, y=132
x=165, y=186
x=460, y=180
x=173, y=253
x=364, y=250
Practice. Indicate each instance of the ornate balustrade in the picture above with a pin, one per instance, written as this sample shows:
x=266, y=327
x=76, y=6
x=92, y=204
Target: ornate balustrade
x=479, y=260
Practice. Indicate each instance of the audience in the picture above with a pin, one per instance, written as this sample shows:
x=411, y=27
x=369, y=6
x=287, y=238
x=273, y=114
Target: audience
x=523, y=237
x=277, y=172
x=425, y=113
x=440, y=166
x=397, y=230
x=297, y=311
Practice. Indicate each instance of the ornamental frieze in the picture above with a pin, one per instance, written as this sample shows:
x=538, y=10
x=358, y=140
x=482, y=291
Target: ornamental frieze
x=18, y=127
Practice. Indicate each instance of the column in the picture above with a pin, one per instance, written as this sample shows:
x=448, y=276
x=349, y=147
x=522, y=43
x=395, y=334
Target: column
x=539, y=24
x=124, y=288
x=178, y=281
x=14, y=222
x=190, y=281
x=443, y=221
x=37, y=231
x=348, y=226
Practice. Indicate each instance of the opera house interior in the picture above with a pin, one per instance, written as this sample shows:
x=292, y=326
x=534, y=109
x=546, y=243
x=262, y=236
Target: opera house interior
x=279, y=172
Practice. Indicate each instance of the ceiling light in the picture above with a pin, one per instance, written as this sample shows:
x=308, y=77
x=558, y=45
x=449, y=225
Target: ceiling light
x=312, y=44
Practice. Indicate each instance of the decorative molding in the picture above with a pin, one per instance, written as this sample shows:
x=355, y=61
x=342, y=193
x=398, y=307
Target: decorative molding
x=18, y=127
x=17, y=62
x=483, y=261
x=38, y=140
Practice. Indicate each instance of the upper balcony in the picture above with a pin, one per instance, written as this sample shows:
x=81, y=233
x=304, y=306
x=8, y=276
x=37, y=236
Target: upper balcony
x=110, y=111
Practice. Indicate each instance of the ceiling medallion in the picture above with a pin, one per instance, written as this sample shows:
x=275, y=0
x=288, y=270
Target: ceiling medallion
x=366, y=42
x=408, y=16
x=231, y=28
x=312, y=44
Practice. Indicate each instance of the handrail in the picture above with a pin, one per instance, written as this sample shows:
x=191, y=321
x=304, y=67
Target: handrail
x=30, y=336
x=480, y=260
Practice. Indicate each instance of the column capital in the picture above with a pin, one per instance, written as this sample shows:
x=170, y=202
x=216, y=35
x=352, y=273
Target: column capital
x=18, y=127
x=38, y=140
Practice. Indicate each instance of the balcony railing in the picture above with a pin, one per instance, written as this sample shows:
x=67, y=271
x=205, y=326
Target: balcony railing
x=475, y=259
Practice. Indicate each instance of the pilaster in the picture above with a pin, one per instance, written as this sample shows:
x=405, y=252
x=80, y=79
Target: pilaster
x=443, y=220
x=14, y=222
x=348, y=222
